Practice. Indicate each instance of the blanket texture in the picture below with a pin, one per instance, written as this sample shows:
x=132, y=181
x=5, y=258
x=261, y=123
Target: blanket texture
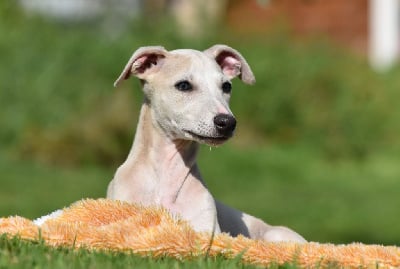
x=112, y=225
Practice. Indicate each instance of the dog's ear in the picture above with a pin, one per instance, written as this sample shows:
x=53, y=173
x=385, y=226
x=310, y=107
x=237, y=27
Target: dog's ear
x=144, y=61
x=232, y=63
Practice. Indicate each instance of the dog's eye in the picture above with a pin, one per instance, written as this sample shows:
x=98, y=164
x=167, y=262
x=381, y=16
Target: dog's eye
x=184, y=86
x=226, y=87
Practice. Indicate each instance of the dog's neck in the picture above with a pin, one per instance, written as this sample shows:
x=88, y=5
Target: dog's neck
x=160, y=159
x=163, y=171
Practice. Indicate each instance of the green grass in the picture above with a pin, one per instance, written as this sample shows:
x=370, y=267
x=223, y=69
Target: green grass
x=15, y=253
x=31, y=190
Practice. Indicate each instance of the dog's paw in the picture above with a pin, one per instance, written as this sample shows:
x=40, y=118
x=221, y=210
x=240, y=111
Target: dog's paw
x=282, y=234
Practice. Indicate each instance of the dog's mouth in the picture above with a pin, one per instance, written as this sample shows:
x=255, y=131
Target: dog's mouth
x=209, y=140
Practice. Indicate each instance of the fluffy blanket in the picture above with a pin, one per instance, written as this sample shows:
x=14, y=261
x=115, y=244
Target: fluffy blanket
x=118, y=226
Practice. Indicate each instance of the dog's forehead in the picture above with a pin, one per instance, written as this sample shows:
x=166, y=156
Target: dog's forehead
x=189, y=53
x=191, y=63
x=194, y=58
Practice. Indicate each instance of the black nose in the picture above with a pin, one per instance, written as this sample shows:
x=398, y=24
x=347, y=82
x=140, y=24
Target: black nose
x=225, y=124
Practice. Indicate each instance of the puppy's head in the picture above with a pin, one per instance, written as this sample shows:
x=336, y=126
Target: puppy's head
x=188, y=91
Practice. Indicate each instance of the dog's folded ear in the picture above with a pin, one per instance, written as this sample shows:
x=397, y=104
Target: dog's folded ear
x=232, y=63
x=144, y=61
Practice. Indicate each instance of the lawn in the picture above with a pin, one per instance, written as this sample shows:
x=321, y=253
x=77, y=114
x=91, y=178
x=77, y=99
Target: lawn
x=15, y=253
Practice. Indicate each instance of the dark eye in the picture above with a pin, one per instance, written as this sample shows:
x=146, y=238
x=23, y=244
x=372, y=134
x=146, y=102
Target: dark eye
x=183, y=86
x=226, y=87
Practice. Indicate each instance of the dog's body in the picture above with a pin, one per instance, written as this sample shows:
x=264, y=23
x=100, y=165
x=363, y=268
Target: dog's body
x=186, y=103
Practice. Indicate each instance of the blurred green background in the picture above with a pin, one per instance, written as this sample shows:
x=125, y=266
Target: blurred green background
x=316, y=147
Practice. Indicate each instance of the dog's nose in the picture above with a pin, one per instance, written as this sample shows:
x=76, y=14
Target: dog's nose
x=225, y=124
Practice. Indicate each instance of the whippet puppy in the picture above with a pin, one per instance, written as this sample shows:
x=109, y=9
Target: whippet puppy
x=186, y=102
